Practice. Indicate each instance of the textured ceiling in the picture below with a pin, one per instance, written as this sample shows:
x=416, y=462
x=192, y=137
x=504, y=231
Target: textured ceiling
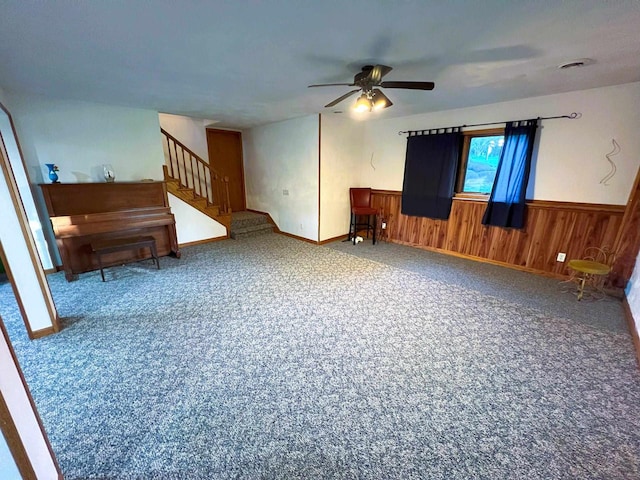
x=245, y=63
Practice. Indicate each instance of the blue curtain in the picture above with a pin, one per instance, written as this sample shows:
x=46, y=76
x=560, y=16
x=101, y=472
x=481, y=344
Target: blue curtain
x=430, y=173
x=506, y=207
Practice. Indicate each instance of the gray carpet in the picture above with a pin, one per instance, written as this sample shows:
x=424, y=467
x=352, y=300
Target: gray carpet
x=535, y=291
x=272, y=358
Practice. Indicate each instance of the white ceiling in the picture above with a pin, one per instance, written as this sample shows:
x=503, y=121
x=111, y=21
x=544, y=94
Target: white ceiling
x=245, y=63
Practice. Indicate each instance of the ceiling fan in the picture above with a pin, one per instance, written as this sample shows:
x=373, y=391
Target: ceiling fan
x=372, y=98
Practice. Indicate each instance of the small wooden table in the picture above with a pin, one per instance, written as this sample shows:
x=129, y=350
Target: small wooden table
x=590, y=271
x=104, y=246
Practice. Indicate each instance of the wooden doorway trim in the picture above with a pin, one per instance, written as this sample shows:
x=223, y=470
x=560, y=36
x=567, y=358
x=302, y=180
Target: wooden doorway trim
x=238, y=198
x=12, y=437
x=16, y=294
x=7, y=173
x=7, y=423
x=627, y=242
x=319, y=175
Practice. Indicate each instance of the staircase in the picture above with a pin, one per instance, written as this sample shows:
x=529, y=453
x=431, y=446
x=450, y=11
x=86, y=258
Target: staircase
x=249, y=224
x=194, y=181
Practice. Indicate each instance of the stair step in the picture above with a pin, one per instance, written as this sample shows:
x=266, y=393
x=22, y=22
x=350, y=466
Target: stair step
x=251, y=231
x=199, y=200
x=247, y=219
x=201, y=204
x=213, y=209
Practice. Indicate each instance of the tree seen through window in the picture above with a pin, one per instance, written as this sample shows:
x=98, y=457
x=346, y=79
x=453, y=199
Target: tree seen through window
x=482, y=163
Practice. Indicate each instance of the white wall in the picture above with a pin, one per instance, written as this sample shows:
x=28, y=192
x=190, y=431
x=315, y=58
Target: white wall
x=193, y=225
x=190, y=131
x=571, y=156
x=28, y=277
x=23, y=415
x=284, y=156
x=341, y=146
x=80, y=137
x=24, y=188
x=633, y=293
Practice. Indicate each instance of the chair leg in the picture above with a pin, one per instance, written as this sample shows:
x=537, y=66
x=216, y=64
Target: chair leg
x=353, y=229
x=581, y=287
x=350, y=226
x=375, y=224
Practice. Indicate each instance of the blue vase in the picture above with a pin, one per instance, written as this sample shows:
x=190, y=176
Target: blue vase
x=53, y=176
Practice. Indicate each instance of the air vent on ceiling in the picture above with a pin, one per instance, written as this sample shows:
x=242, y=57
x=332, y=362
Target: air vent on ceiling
x=580, y=62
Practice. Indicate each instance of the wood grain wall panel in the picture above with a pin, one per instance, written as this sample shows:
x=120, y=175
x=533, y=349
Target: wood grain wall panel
x=551, y=227
x=504, y=244
x=543, y=239
x=477, y=233
x=515, y=251
x=457, y=223
x=627, y=240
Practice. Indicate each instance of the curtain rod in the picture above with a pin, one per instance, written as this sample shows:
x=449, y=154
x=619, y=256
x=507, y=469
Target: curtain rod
x=572, y=116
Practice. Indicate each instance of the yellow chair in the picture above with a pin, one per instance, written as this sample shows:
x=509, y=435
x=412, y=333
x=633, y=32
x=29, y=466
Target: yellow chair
x=591, y=271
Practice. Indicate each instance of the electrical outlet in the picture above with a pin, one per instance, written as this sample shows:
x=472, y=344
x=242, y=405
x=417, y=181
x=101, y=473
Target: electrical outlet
x=561, y=257
x=285, y=193
x=384, y=225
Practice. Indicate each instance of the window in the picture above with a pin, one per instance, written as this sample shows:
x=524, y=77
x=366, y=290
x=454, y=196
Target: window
x=479, y=161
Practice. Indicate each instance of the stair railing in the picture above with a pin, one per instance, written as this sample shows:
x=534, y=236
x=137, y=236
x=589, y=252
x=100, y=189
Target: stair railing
x=192, y=172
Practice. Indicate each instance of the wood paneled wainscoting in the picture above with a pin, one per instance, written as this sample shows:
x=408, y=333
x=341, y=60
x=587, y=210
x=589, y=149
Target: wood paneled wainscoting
x=551, y=227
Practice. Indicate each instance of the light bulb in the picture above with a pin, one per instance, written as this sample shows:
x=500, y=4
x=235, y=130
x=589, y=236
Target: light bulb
x=379, y=100
x=363, y=104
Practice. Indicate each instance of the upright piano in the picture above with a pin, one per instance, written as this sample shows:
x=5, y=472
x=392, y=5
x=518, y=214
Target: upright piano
x=81, y=213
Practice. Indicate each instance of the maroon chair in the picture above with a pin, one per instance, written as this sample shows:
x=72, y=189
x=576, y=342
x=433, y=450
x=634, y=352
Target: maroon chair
x=360, y=207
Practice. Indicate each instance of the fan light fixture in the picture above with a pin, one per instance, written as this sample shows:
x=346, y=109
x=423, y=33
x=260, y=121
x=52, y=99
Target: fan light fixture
x=379, y=104
x=372, y=98
x=380, y=100
x=363, y=104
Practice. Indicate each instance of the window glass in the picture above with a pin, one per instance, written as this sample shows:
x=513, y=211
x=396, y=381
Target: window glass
x=482, y=162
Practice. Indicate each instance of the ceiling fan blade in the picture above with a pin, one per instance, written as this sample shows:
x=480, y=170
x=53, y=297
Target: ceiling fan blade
x=409, y=85
x=343, y=97
x=377, y=72
x=332, y=85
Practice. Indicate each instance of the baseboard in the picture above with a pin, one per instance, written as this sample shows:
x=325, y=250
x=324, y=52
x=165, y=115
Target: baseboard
x=614, y=292
x=291, y=235
x=484, y=260
x=200, y=242
x=43, y=332
x=56, y=269
x=632, y=328
x=334, y=239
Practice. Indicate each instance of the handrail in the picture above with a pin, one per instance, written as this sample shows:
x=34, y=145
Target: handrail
x=191, y=152
x=196, y=174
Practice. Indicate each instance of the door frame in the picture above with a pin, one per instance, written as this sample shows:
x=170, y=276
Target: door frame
x=24, y=236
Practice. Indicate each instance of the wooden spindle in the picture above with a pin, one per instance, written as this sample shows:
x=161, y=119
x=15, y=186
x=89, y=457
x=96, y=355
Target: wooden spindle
x=169, y=155
x=175, y=151
x=193, y=178
x=211, y=185
x=226, y=186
